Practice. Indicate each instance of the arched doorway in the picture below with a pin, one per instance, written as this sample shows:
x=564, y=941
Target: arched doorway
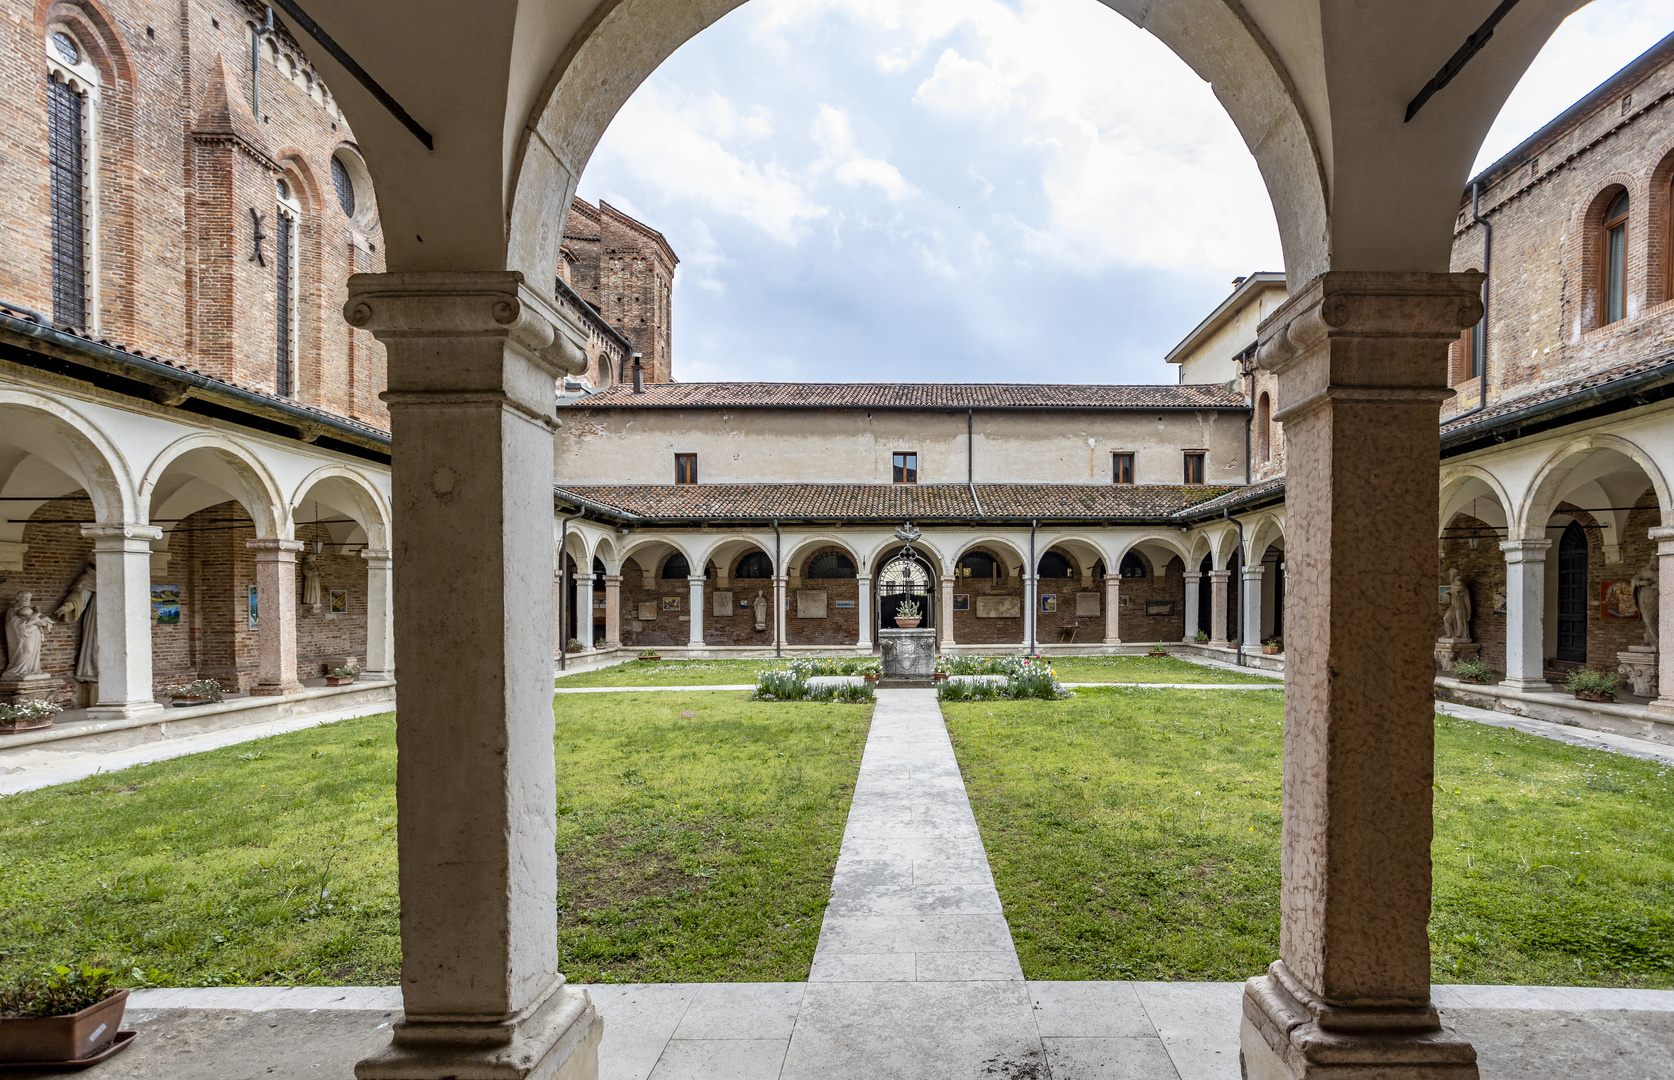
x=907, y=576
x=1572, y=594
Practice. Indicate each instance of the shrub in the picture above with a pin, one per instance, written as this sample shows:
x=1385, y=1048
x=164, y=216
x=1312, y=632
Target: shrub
x=1473, y=670
x=969, y=691
x=1201, y=637
x=573, y=645
x=835, y=665
x=1025, y=678
x=1597, y=682
x=791, y=684
x=57, y=993
x=909, y=609
x=29, y=710
x=1034, y=679
x=202, y=688
x=347, y=671
x=977, y=665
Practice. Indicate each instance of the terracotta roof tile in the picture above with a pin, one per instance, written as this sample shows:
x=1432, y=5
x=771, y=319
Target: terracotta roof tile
x=1559, y=390
x=744, y=395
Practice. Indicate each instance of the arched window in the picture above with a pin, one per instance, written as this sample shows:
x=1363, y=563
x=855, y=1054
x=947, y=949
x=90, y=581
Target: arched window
x=353, y=186
x=285, y=287
x=1263, y=429
x=598, y=574
x=605, y=377
x=1054, y=565
x=72, y=99
x=978, y=564
x=343, y=185
x=1615, y=259
x=754, y=565
x=831, y=564
x=676, y=567
x=1133, y=566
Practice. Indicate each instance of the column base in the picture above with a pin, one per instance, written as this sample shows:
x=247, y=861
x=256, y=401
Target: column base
x=1537, y=686
x=277, y=691
x=124, y=711
x=1112, y=641
x=1213, y=644
x=555, y=1039
x=1282, y=1038
x=1662, y=705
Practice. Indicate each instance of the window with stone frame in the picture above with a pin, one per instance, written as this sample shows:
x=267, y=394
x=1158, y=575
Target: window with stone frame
x=1194, y=466
x=1054, y=564
x=979, y=565
x=830, y=564
x=286, y=219
x=1121, y=468
x=72, y=124
x=685, y=469
x=757, y=564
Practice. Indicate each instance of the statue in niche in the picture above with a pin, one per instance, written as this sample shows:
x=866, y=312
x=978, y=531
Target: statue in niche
x=25, y=632
x=1456, y=623
x=759, y=606
x=78, y=605
x=1647, y=597
x=311, y=581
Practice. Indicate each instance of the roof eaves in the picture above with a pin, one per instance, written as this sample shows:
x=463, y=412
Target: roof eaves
x=1263, y=279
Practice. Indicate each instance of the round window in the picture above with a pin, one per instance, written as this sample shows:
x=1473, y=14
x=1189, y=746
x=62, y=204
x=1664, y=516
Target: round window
x=353, y=186
x=65, y=46
x=345, y=185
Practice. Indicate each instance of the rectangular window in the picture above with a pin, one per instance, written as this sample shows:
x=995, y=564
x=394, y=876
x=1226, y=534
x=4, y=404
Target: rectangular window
x=66, y=165
x=1194, y=467
x=1121, y=468
x=906, y=468
x=685, y=468
x=284, y=261
x=1614, y=273
x=1474, y=345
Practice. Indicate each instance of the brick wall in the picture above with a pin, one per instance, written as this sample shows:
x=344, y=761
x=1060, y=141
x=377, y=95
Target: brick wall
x=320, y=633
x=57, y=553
x=1483, y=570
x=625, y=269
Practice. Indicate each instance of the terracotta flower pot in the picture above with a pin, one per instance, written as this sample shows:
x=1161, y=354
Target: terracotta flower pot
x=14, y=727
x=648, y=659
x=1594, y=695
x=870, y=678
x=1270, y=650
x=940, y=676
x=63, y=1038
x=907, y=624
x=339, y=680
x=188, y=702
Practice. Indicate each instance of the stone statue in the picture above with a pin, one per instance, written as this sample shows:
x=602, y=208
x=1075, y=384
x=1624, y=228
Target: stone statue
x=1647, y=597
x=759, y=606
x=311, y=581
x=25, y=631
x=1456, y=623
x=78, y=604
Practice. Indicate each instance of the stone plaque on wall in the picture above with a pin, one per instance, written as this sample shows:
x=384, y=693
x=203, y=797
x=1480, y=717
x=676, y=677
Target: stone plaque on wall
x=1086, y=604
x=999, y=607
x=648, y=610
x=721, y=604
x=810, y=603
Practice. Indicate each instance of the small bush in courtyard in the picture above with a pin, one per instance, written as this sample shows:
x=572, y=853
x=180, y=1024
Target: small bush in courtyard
x=977, y=665
x=791, y=684
x=57, y=993
x=969, y=691
x=1025, y=678
x=835, y=665
x=1476, y=671
x=1590, y=681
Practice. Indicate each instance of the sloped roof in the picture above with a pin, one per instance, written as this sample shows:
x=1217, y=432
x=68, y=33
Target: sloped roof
x=767, y=395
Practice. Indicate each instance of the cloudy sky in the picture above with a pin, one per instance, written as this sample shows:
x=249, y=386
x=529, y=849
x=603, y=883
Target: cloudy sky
x=969, y=190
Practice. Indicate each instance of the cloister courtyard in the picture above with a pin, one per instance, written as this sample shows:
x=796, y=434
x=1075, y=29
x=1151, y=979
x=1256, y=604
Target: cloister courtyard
x=1121, y=840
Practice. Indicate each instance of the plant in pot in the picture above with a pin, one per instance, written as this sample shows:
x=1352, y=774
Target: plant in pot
x=1472, y=671
x=908, y=615
x=342, y=676
x=197, y=692
x=1590, y=685
x=572, y=645
x=65, y=1016
x=649, y=654
x=1156, y=650
x=27, y=716
x=1271, y=646
x=1201, y=637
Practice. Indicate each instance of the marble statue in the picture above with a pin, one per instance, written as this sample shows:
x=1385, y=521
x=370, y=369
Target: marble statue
x=311, y=581
x=759, y=606
x=1647, y=598
x=1456, y=623
x=78, y=604
x=25, y=631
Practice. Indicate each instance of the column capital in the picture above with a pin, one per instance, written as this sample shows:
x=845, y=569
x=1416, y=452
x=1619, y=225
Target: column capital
x=1529, y=551
x=115, y=534
x=1219, y=575
x=375, y=556
x=467, y=304
x=1662, y=534
x=612, y=579
x=279, y=549
x=1254, y=571
x=696, y=579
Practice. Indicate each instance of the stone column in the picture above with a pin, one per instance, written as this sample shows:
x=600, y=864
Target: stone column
x=1193, y=584
x=945, y=615
x=1112, y=609
x=613, y=611
x=779, y=619
x=1029, y=623
x=380, y=615
x=1361, y=360
x=472, y=361
x=1251, y=631
x=863, y=607
x=1217, y=608
x=275, y=616
x=122, y=618
x=584, y=611
x=1664, y=702
x=694, y=633
x=1525, y=614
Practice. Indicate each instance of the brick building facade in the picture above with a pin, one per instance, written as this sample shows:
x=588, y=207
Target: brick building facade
x=625, y=269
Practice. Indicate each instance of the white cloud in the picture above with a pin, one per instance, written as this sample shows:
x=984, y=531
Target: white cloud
x=835, y=138
x=959, y=85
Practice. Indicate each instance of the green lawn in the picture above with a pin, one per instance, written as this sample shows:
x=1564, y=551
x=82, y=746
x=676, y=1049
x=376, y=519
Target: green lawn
x=673, y=673
x=697, y=835
x=1146, y=669
x=1135, y=835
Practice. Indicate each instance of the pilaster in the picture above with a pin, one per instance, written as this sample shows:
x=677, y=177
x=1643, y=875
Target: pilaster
x=380, y=614
x=1112, y=609
x=122, y=617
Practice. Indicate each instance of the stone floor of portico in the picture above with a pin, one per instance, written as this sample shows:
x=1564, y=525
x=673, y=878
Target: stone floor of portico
x=915, y=976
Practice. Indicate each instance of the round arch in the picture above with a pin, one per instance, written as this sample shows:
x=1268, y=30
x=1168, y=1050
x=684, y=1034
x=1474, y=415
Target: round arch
x=1549, y=482
x=808, y=545
x=251, y=484
x=931, y=547
x=1463, y=484
x=1170, y=541
x=348, y=492
x=72, y=444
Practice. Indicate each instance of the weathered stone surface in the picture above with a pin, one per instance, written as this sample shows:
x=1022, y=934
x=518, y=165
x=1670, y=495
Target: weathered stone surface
x=908, y=654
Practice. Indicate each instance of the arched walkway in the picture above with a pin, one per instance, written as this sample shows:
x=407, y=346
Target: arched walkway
x=345, y=614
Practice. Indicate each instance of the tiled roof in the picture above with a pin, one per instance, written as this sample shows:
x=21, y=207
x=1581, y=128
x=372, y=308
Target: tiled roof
x=892, y=502
x=1232, y=500
x=913, y=396
x=1559, y=391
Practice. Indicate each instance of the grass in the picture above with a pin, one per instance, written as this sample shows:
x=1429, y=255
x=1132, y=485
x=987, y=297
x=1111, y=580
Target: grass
x=1135, y=835
x=696, y=837
x=674, y=673
x=1157, y=669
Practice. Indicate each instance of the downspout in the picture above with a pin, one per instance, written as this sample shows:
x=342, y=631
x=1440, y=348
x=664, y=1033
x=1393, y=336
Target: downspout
x=778, y=604
x=1034, y=601
x=1249, y=417
x=1238, y=586
x=256, y=65
x=564, y=591
x=970, y=460
x=1487, y=270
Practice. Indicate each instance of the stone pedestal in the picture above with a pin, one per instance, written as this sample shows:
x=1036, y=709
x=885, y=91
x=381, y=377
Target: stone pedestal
x=1361, y=361
x=909, y=657
x=1639, y=664
x=34, y=688
x=1449, y=651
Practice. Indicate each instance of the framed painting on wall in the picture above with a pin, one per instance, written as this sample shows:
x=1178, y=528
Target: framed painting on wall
x=165, y=604
x=252, y=607
x=671, y=603
x=339, y=602
x=1049, y=604
x=1496, y=595
x=961, y=601
x=1615, y=600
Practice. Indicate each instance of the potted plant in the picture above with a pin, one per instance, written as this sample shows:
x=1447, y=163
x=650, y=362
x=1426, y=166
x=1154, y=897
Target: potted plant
x=648, y=654
x=27, y=716
x=1201, y=637
x=1271, y=647
x=342, y=676
x=198, y=692
x=1156, y=650
x=1472, y=671
x=908, y=615
x=63, y=1017
x=1590, y=685
x=573, y=645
